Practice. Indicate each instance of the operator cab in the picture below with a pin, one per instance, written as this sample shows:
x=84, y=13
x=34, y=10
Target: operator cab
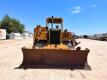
x=55, y=30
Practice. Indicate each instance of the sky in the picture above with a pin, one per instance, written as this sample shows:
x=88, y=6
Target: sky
x=80, y=16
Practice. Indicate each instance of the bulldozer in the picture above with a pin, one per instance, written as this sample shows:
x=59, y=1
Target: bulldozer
x=53, y=46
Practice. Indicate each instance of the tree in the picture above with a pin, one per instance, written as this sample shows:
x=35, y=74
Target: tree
x=11, y=25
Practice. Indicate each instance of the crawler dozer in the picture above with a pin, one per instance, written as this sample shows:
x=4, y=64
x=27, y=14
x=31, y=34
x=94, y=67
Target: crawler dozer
x=53, y=47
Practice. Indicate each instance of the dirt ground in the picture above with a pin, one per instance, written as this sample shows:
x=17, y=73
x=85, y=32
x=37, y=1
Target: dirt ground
x=11, y=57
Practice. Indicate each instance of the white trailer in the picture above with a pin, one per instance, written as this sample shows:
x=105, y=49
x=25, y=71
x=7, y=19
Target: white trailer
x=15, y=36
x=2, y=34
x=97, y=36
x=25, y=35
x=102, y=37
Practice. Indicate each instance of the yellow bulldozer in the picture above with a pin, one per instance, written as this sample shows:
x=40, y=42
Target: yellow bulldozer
x=53, y=46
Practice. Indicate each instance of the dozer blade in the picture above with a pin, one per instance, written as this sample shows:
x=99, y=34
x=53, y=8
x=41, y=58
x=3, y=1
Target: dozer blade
x=54, y=57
